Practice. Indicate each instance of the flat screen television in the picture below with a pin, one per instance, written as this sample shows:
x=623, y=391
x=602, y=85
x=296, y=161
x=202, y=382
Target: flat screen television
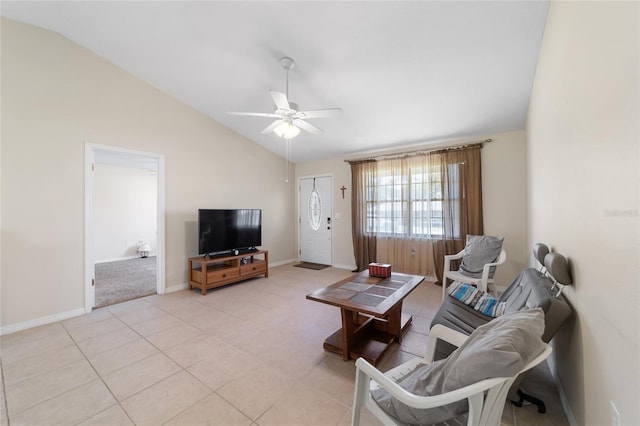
x=222, y=231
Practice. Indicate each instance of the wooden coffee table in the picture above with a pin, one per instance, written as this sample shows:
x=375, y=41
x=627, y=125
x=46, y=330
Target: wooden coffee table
x=371, y=309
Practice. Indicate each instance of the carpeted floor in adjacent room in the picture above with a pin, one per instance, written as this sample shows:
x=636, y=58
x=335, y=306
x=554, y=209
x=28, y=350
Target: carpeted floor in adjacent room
x=125, y=280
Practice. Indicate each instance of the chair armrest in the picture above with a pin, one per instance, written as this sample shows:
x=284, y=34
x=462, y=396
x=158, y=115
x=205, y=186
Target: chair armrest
x=447, y=269
x=450, y=257
x=364, y=368
x=486, y=269
x=445, y=333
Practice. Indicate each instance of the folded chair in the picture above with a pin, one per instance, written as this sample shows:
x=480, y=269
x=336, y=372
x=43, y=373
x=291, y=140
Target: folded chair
x=530, y=289
x=482, y=401
x=480, y=258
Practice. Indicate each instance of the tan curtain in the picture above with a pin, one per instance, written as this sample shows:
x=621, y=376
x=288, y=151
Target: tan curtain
x=402, y=184
x=461, y=175
x=408, y=255
x=364, y=243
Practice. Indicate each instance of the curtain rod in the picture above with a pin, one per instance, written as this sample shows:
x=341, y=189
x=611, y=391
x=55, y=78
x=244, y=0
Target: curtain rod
x=419, y=152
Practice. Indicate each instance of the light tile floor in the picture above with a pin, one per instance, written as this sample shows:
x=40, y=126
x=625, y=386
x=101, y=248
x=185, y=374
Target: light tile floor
x=246, y=354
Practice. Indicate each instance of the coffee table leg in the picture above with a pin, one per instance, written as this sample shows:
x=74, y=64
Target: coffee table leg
x=349, y=325
x=394, y=322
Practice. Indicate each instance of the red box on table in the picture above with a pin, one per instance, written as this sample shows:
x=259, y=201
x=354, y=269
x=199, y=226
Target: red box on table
x=382, y=270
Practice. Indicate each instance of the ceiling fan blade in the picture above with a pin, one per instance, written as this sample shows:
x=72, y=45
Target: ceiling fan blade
x=319, y=113
x=271, y=127
x=280, y=99
x=306, y=126
x=255, y=114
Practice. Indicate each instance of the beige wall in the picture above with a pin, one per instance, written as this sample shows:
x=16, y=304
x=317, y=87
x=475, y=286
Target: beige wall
x=504, y=200
x=57, y=96
x=583, y=167
x=503, y=191
x=125, y=211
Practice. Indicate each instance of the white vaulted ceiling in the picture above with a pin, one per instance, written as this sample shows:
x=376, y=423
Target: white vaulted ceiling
x=404, y=73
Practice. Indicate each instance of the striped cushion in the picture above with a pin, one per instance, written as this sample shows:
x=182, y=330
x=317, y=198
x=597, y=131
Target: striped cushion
x=477, y=299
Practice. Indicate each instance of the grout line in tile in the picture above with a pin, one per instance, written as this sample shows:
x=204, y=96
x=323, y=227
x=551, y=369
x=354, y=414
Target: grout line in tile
x=248, y=416
x=141, y=390
x=100, y=376
x=5, y=406
x=53, y=396
x=97, y=322
x=101, y=379
x=196, y=401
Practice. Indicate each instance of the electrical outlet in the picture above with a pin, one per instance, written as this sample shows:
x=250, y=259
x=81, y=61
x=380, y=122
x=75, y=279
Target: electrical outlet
x=615, y=415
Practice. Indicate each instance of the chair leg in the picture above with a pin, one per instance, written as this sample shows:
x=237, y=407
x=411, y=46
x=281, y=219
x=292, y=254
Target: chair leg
x=444, y=287
x=532, y=399
x=475, y=408
x=362, y=387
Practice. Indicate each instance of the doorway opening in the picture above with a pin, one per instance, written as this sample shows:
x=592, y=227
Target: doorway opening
x=124, y=225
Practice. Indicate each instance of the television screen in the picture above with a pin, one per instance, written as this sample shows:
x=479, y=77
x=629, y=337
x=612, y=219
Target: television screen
x=225, y=230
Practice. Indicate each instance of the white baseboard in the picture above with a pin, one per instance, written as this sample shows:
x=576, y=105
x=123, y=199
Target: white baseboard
x=282, y=262
x=349, y=267
x=8, y=329
x=116, y=259
x=566, y=407
x=175, y=288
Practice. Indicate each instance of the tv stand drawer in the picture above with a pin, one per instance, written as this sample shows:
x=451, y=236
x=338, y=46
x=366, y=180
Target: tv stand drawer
x=252, y=268
x=222, y=275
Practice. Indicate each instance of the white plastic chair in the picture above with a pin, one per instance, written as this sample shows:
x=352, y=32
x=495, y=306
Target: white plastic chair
x=484, y=410
x=482, y=283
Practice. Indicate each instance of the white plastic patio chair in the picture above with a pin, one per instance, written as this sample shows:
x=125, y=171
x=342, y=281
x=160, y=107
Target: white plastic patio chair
x=484, y=409
x=482, y=283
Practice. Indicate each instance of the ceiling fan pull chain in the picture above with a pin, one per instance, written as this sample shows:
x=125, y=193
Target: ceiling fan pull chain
x=287, y=159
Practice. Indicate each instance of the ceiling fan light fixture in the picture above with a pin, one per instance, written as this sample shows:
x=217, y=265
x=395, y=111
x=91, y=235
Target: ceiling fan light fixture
x=289, y=119
x=287, y=130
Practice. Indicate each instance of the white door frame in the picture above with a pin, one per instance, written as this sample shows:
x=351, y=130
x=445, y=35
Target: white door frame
x=299, y=213
x=89, y=266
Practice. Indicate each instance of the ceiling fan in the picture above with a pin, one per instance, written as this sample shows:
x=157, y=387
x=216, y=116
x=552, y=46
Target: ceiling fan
x=289, y=119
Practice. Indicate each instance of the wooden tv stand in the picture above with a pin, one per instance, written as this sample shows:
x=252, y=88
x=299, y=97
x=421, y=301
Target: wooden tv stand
x=222, y=270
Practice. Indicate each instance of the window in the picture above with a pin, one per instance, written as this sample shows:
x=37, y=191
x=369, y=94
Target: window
x=405, y=198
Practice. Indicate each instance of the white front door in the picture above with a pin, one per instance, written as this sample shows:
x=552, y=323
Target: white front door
x=315, y=220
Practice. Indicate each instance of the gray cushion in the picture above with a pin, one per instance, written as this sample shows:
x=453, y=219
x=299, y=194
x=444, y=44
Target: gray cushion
x=527, y=291
x=500, y=348
x=540, y=251
x=558, y=267
x=480, y=250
